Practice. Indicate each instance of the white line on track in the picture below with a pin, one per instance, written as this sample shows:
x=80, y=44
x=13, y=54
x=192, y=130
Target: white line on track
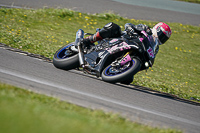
x=45, y=82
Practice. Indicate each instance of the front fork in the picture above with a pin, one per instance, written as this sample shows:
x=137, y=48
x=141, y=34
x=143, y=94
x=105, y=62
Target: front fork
x=126, y=58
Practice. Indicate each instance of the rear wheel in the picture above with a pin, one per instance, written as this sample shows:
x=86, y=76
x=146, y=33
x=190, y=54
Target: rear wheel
x=123, y=74
x=66, y=58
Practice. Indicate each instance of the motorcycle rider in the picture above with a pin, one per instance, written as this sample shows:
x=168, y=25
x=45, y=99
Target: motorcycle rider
x=158, y=35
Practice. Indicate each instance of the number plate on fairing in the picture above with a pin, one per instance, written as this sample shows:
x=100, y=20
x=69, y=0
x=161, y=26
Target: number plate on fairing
x=150, y=52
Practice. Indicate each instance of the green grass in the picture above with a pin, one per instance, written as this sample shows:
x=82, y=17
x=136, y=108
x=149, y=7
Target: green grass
x=192, y=1
x=22, y=111
x=43, y=31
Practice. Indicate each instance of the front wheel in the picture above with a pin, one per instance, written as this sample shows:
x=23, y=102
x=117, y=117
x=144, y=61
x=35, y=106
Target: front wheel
x=121, y=74
x=66, y=57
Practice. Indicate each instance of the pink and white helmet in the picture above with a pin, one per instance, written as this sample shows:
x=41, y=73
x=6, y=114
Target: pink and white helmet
x=162, y=31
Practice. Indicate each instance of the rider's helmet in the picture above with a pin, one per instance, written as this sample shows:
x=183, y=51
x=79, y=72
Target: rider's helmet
x=162, y=31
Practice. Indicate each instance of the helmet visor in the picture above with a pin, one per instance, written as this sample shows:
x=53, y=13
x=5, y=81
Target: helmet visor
x=161, y=35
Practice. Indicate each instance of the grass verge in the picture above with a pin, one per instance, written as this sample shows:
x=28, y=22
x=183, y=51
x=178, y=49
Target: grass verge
x=22, y=111
x=192, y=1
x=43, y=31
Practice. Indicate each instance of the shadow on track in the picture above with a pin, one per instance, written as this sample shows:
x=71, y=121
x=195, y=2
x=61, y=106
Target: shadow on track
x=140, y=89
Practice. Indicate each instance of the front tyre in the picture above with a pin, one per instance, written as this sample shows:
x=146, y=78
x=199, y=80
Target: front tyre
x=65, y=58
x=121, y=74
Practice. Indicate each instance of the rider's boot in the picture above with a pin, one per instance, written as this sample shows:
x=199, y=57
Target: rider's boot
x=110, y=30
x=92, y=39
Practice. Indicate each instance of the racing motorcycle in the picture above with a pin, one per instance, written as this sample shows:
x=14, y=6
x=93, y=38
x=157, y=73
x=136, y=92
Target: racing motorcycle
x=112, y=59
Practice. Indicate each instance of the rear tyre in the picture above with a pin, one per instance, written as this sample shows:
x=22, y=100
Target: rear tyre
x=65, y=58
x=123, y=74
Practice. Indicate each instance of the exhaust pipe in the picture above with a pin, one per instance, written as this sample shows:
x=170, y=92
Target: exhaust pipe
x=79, y=36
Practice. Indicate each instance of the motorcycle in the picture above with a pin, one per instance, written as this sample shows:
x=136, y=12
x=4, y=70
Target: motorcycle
x=112, y=59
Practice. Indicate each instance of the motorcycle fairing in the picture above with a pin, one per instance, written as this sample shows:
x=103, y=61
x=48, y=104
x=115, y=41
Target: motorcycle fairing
x=98, y=59
x=119, y=47
x=149, y=52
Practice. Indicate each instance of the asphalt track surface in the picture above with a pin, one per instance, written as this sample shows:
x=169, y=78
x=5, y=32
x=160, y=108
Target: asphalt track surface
x=73, y=86
x=172, y=11
x=135, y=103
